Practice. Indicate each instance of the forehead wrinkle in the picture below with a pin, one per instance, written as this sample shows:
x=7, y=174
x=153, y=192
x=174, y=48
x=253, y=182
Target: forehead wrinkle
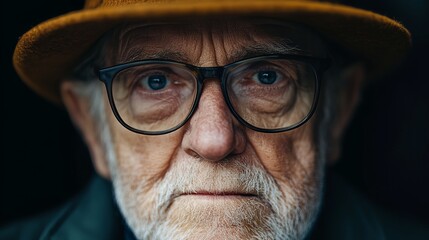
x=288, y=38
x=124, y=51
x=245, y=41
x=262, y=38
x=130, y=42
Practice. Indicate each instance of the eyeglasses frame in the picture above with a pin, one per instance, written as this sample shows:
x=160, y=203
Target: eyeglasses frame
x=319, y=65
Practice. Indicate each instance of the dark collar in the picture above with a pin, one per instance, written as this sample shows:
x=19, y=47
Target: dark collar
x=345, y=214
x=91, y=215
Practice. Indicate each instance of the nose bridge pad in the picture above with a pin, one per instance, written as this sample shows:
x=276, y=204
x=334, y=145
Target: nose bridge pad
x=206, y=73
x=216, y=74
x=211, y=72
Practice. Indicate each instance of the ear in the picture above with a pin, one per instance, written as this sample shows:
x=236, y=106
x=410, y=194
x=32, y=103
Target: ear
x=353, y=77
x=78, y=109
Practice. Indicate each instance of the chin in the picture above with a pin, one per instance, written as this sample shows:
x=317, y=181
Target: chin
x=237, y=201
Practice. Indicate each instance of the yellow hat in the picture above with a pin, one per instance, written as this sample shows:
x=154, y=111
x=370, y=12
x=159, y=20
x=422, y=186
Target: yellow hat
x=49, y=51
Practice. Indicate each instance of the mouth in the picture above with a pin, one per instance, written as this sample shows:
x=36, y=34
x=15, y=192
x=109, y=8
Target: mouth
x=219, y=194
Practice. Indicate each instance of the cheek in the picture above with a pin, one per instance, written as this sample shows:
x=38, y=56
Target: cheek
x=140, y=157
x=289, y=157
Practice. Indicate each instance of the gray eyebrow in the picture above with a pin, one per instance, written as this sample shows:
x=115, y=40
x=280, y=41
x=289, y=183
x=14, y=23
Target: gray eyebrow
x=248, y=51
x=171, y=55
x=259, y=49
x=140, y=54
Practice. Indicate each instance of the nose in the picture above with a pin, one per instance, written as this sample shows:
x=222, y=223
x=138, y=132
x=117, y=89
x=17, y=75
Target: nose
x=212, y=132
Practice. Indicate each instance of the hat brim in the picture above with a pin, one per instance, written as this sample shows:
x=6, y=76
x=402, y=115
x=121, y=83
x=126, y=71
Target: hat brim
x=49, y=51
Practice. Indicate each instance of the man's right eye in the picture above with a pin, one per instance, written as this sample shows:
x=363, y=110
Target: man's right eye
x=156, y=82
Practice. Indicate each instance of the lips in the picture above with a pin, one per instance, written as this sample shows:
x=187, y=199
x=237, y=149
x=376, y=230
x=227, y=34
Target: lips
x=219, y=194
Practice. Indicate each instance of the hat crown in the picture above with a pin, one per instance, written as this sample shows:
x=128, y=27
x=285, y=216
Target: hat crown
x=92, y=3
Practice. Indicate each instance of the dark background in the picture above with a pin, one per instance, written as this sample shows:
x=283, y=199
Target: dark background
x=386, y=148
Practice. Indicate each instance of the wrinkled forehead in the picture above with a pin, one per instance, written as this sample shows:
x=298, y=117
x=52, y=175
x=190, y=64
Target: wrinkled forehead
x=235, y=39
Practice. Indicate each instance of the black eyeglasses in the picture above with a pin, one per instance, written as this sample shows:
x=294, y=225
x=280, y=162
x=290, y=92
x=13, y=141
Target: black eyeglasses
x=272, y=93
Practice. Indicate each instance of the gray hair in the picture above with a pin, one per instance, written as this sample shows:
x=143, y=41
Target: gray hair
x=87, y=86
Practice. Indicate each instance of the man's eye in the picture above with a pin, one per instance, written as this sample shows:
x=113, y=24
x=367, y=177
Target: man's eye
x=155, y=82
x=266, y=77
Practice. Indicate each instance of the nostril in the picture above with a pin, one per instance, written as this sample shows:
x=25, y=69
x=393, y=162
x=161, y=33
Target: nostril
x=192, y=153
x=213, y=145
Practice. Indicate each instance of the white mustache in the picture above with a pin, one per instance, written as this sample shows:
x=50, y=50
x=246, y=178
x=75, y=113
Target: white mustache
x=234, y=176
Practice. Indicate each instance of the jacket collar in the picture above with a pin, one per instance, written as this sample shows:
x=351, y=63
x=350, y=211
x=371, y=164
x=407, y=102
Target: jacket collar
x=92, y=215
x=346, y=214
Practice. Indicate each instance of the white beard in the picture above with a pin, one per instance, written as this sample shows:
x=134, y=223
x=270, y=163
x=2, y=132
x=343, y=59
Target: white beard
x=153, y=212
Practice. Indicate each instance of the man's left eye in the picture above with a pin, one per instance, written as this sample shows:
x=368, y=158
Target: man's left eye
x=266, y=77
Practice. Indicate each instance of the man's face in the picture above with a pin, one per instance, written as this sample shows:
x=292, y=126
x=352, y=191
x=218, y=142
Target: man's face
x=214, y=178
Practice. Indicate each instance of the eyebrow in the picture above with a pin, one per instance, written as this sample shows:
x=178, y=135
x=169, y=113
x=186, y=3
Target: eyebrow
x=141, y=54
x=260, y=49
x=253, y=50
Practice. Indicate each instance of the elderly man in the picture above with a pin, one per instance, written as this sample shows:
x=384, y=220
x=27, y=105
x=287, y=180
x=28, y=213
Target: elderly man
x=210, y=119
